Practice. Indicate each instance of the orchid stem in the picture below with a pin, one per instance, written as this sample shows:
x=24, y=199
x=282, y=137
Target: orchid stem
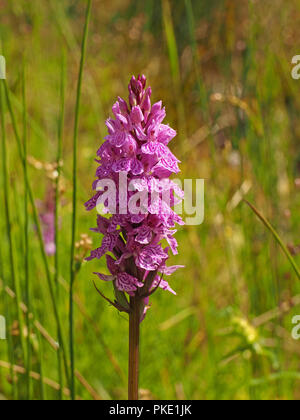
x=134, y=348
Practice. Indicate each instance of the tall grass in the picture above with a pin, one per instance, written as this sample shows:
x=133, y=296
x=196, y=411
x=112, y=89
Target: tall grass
x=26, y=236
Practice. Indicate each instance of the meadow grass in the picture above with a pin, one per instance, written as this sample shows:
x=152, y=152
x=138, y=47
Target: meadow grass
x=225, y=79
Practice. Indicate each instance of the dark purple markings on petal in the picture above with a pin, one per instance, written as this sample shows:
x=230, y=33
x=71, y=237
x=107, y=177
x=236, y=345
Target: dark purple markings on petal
x=102, y=225
x=154, y=184
x=173, y=244
x=96, y=253
x=139, y=184
x=159, y=149
x=123, y=257
x=104, y=170
x=110, y=124
x=165, y=134
x=127, y=283
x=91, y=204
x=165, y=167
x=177, y=190
x=105, y=277
x=177, y=219
x=150, y=148
x=122, y=165
x=118, y=138
x=111, y=265
x=137, y=167
x=144, y=235
x=168, y=271
x=137, y=218
x=122, y=119
x=110, y=241
x=151, y=257
x=116, y=108
x=141, y=135
x=163, y=284
x=115, y=221
x=157, y=115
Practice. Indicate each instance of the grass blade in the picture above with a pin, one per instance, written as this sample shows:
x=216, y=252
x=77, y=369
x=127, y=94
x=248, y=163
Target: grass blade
x=57, y=194
x=277, y=238
x=174, y=64
x=74, y=213
x=26, y=236
x=196, y=58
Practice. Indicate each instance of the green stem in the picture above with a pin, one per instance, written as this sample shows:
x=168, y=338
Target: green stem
x=277, y=238
x=10, y=348
x=40, y=357
x=174, y=65
x=59, y=163
x=26, y=238
x=196, y=58
x=74, y=213
x=134, y=348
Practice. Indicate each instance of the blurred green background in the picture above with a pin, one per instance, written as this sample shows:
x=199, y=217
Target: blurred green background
x=223, y=71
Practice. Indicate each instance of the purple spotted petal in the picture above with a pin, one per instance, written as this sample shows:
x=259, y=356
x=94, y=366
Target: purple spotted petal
x=163, y=284
x=168, y=271
x=173, y=244
x=111, y=265
x=150, y=257
x=122, y=165
x=144, y=235
x=137, y=167
x=165, y=134
x=127, y=283
x=91, y=204
x=105, y=277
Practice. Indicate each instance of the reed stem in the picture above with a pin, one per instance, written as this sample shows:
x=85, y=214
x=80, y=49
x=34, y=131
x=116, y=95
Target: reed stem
x=134, y=348
x=26, y=236
x=57, y=194
x=74, y=212
x=277, y=238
